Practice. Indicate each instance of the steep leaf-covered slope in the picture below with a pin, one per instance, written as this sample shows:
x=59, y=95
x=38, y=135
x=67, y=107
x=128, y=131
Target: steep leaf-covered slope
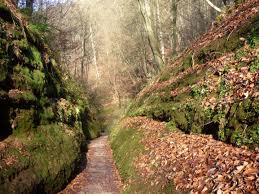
x=45, y=117
x=196, y=126
x=213, y=87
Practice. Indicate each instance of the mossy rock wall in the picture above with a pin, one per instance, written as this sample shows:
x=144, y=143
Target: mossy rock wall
x=45, y=116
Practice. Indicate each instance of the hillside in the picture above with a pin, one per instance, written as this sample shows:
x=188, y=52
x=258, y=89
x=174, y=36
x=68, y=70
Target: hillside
x=196, y=126
x=45, y=117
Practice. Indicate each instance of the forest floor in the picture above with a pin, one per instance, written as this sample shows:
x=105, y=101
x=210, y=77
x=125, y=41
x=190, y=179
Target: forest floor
x=100, y=175
x=193, y=162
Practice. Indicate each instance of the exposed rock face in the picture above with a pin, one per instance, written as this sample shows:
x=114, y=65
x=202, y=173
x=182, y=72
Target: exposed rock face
x=45, y=117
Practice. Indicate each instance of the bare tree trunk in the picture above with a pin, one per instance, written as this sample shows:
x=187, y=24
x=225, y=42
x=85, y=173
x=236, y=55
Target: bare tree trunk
x=94, y=54
x=75, y=70
x=146, y=11
x=83, y=57
x=160, y=32
x=144, y=51
x=118, y=95
x=174, y=26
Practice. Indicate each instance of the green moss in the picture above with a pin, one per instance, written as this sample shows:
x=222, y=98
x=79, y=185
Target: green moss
x=244, y=111
x=25, y=51
x=224, y=134
x=165, y=76
x=39, y=27
x=47, y=115
x=48, y=142
x=38, y=80
x=190, y=79
x=72, y=91
x=240, y=53
x=24, y=78
x=237, y=138
x=24, y=121
x=255, y=107
x=17, y=34
x=170, y=72
x=66, y=112
x=171, y=126
x=254, y=66
x=219, y=18
x=36, y=32
x=125, y=143
x=21, y=77
x=253, y=37
x=198, y=91
x=218, y=48
x=180, y=120
x=223, y=88
x=252, y=135
x=22, y=162
x=93, y=129
x=24, y=97
x=233, y=122
x=197, y=118
x=36, y=60
x=28, y=96
x=22, y=44
x=187, y=62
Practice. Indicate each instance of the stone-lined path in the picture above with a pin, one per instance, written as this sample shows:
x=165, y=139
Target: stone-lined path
x=100, y=175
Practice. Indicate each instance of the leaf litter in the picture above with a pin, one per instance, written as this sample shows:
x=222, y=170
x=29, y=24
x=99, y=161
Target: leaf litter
x=194, y=163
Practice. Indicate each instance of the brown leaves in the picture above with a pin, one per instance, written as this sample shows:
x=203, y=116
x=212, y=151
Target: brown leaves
x=14, y=93
x=194, y=162
x=9, y=161
x=243, y=82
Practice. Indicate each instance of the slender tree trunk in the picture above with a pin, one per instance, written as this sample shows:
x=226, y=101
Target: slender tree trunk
x=160, y=32
x=174, y=27
x=83, y=58
x=94, y=54
x=75, y=70
x=118, y=95
x=146, y=11
x=144, y=55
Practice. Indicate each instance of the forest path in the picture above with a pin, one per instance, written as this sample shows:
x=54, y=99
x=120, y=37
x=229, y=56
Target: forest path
x=100, y=175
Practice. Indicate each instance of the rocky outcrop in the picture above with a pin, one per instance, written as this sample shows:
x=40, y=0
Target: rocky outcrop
x=45, y=117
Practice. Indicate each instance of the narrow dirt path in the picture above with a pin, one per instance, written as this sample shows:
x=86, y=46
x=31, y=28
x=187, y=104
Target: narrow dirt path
x=100, y=175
